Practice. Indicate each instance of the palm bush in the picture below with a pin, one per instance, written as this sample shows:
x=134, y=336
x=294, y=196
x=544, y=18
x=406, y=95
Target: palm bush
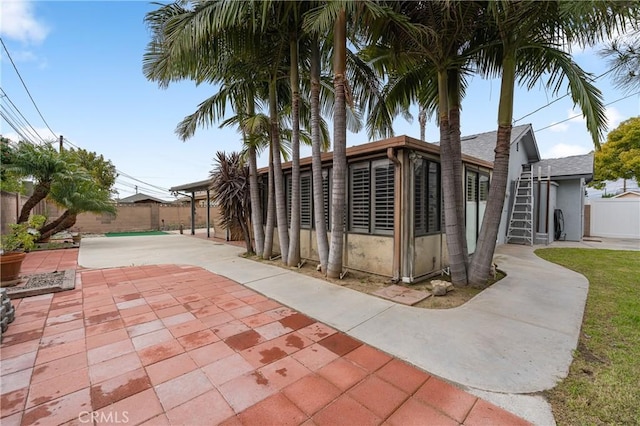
x=230, y=184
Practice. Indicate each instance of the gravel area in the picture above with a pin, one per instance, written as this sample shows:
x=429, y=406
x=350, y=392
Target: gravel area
x=48, y=282
x=48, y=279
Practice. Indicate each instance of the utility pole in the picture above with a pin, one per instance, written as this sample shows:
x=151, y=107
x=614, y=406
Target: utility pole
x=61, y=142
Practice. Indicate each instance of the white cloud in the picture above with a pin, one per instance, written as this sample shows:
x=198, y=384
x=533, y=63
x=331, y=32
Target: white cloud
x=32, y=135
x=559, y=127
x=614, y=117
x=565, y=150
x=17, y=21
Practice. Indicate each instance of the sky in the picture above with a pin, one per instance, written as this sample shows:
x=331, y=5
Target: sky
x=81, y=62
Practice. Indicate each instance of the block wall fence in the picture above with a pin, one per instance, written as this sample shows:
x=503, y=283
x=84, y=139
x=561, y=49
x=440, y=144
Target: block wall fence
x=130, y=217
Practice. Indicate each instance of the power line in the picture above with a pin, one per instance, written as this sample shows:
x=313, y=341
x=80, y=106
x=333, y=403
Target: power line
x=5, y=95
x=14, y=127
x=25, y=87
x=561, y=97
x=579, y=115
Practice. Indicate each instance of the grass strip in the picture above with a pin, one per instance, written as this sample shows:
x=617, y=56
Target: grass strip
x=603, y=384
x=134, y=233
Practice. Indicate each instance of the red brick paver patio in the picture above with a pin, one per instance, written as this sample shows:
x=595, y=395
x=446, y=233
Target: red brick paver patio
x=179, y=345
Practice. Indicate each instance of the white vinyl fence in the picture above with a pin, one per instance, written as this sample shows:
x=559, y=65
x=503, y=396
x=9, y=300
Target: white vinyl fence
x=615, y=217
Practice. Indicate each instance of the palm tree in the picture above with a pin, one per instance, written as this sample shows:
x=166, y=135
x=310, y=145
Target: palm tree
x=78, y=192
x=230, y=181
x=316, y=161
x=528, y=33
x=87, y=186
x=371, y=20
x=213, y=59
x=428, y=67
x=624, y=59
x=41, y=162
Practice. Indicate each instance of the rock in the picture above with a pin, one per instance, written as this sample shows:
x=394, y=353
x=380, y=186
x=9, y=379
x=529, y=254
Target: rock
x=440, y=288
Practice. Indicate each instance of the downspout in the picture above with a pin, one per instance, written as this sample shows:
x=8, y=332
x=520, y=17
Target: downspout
x=193, y=213
x=397, y=211
x=208, y=214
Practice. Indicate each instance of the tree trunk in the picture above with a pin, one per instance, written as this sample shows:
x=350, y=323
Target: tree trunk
x=40, y=192
x=46, y=230
x=67, y=220
x=294, y=236
x=334, y=267
x=278, y=178
x=481, y=263
x=422, y=119
x=245, y=233
x=457, y=261
x=453, y=86
x=256, y=205
x=271, y=213
x=316, y=159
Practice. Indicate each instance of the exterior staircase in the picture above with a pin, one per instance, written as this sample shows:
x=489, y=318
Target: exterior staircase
x=520, y=229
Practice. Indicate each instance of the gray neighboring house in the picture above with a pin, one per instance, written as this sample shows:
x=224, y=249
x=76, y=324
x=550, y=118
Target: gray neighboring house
x=566, y=186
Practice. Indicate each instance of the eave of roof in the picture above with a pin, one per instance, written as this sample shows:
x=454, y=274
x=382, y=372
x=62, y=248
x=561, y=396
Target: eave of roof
x=381, y=146
x=201, y=185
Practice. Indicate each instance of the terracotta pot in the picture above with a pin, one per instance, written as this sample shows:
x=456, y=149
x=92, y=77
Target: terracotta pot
x=10, y=264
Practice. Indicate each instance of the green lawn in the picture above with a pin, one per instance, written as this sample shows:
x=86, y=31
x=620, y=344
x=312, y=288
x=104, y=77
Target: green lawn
x=603, y=386
x=133, y=233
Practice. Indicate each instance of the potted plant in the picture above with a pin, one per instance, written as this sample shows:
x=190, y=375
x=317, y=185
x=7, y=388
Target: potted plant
x=14, y=244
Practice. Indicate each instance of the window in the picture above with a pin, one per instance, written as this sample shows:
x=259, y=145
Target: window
x=360, y=197
x=287, y=189
x=326, y=191
x=384, y=202
x=306, y=199
x=477, y=189
x=427, y=198
x=434, y=203
x=306, y=206
x=372, y=197
x=472, y=186
x=484, y=188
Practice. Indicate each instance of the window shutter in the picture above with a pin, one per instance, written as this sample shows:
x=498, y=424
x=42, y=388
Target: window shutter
x=419, y=195
x=359, y=197
x=305, y=201
x=472, y=186
x=384, y=201
x=287, y=186
x=433, y=191
x=326, y=175
x=484, y=187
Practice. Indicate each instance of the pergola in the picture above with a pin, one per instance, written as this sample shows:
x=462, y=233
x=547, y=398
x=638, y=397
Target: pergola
x=193, y=187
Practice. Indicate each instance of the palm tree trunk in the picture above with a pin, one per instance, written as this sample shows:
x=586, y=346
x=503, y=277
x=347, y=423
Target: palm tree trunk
x=278, y=178
x=46, y=230
x=271, y=213
x=316, y=159
x=294, y=236
x=66, y=221
x=481, y=264
x=254, y=188
x=40, y=192
x=334, y=266
x=457, y=261
x=453, y=86
x=256, y=205
x=422, y=119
